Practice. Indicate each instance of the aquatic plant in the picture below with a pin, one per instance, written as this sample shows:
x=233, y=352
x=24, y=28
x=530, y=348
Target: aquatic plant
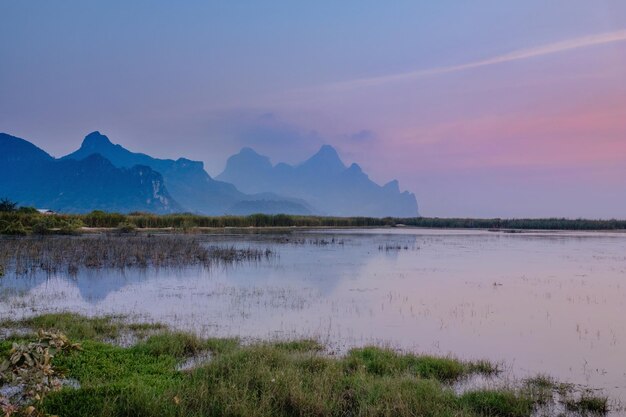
x=588, y=403
x=54, y=254
x=28, y=369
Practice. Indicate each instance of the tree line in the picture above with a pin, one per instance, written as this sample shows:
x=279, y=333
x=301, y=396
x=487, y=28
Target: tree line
x=24, y=220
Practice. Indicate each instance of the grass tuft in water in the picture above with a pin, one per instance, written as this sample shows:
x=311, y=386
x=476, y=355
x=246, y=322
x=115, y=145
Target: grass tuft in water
x=386, y=362
x=304, y=345
x=497, y=403
x=175, y=344
x=79, y=327
x=589, y=403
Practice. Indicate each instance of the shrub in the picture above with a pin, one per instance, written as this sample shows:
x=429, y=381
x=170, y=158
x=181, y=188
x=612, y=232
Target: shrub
x=29, y=369
x=15, y=228
x=7, y=205
x=126, y=227
x=44, y=226
x=70, y=226
x=27, y=210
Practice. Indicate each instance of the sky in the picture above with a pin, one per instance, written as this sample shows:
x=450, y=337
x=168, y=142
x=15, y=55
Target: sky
x=482, y=108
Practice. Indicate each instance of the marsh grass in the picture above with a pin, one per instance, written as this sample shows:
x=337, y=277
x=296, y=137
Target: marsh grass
x=392, y=247
x=544, y=390
x=386, y=362
x=304, y=345
x=288, y=378
x=52, y=254
x=588, y=404
x=17, y=222
x=80, y=328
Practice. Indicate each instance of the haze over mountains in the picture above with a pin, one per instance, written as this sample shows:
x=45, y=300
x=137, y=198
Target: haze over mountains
x=188, y=183
x=324, y=181
x=104, y=176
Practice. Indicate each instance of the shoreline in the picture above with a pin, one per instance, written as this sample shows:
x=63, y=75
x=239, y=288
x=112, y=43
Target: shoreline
x=284, y=229
x=23, y=223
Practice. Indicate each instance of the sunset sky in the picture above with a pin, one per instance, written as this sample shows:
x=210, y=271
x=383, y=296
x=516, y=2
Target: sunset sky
x=481, y=108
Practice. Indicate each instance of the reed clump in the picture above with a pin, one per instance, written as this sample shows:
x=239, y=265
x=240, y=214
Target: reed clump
x=66, y=253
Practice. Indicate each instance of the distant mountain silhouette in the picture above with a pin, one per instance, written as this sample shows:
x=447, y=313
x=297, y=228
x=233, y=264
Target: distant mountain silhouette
x=324, y=181
x=188, y=182
x=31, y=177
x=105, y=176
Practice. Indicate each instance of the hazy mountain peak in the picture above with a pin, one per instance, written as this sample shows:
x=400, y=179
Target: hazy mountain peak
x=248, y=158
x=355, y=167
x=327, y=152
x=392, y=185
x=252, y=156
x=95, y=140
x=249, y=151
x=326, y=160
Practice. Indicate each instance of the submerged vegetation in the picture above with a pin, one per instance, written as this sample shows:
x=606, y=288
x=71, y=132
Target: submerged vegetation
x=69, y=254
x=294, y=378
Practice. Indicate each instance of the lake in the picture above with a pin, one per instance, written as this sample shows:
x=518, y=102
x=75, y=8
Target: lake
x=542, y=302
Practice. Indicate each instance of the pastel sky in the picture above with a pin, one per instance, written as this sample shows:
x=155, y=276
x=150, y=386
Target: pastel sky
x=481, y=108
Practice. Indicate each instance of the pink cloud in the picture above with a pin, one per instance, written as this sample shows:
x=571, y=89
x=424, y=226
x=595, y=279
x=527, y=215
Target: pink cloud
x=580, y=136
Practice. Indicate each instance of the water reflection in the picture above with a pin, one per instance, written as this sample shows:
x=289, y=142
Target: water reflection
x=545, y=302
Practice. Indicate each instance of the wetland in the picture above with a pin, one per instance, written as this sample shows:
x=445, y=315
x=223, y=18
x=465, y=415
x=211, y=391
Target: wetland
x=544, y=307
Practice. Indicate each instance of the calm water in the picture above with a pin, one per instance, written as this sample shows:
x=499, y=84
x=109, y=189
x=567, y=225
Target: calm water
x=552, y=303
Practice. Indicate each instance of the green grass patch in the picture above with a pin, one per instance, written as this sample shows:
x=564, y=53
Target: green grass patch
x=498, y=403
x=285, y=379
x=175, y=344
x=265, y=379
x=386, y=362
x=305, y=345
x=79, y=327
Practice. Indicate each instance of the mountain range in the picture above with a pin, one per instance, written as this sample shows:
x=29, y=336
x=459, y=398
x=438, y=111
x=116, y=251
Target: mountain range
x=31, y=177
x=324, y=181
x=188, y=183
x=105, y=176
